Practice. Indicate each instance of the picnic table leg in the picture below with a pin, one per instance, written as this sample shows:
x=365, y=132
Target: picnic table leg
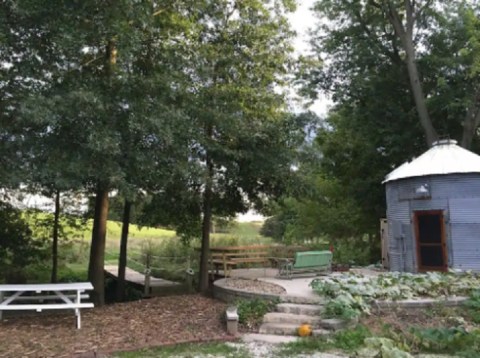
x=1, y=300
x=77, y=311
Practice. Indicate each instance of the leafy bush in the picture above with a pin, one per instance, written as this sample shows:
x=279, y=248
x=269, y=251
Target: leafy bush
x=351, y=339
x=447, y=340
x=273, y=227
x=343, y=307
x=473, y=306
x=352, y=251
x=352, y=294
x=69, y=275
x=18, y=249
x=251, y=312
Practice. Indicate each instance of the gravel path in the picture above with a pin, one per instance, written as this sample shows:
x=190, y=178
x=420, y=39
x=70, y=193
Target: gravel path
x=254, y=286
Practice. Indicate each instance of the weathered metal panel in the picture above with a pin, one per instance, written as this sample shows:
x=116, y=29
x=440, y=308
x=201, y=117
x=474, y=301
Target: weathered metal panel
x=384, y=242
x=466, y=246
x=410, y=251
x=446, y=186
x=465, y=211
x=433, y=204
x=395, y=260
x=456, y=186
x=399, y=211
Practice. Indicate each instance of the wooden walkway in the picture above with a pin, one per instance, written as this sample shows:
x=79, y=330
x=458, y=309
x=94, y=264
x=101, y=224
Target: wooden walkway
x=138, y=278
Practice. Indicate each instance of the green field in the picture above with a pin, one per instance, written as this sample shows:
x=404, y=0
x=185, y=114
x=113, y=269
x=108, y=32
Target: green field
x=74, y=244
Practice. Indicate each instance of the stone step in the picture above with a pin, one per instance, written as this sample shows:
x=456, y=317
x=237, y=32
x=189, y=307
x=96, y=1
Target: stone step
x=268, y=338
x=321, y=332
x=286, y=329
x=282, y=329
x=299, y=308
x=297, y=319
x=335, y=324
x=302, y=300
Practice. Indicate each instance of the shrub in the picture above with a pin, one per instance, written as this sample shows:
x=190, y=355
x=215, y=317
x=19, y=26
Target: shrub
x=350, y=292
x=251, y=312
x=343, y=308
x=18, y=249
x=447, y=340
x=473, y=306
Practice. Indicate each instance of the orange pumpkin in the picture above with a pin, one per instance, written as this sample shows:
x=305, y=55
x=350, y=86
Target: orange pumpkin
x=304, y=330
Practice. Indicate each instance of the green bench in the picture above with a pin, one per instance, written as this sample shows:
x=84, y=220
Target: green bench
x=307, y=261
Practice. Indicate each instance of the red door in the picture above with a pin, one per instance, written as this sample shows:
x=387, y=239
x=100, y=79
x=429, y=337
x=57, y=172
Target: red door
x=431, y=243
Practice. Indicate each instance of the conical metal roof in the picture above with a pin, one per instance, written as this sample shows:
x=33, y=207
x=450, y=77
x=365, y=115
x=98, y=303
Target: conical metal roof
x=445, y=157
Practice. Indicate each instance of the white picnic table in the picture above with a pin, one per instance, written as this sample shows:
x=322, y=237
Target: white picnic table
x=41, y=298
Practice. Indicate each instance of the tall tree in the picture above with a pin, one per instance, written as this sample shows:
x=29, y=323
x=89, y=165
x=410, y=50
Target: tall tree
x=243, y=52
x=242, y=141
x=376, y=122
x=112, y=118
x=414, y=35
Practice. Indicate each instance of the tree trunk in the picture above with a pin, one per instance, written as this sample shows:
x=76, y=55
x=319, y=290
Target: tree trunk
x=97, y=248
x=472, y=121
x=56, y=224
x=405, y=34
x=206, y=224
x=418, y=95
x=122, y=260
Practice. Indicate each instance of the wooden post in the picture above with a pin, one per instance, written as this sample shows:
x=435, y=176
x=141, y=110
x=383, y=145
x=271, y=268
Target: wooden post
x=146, y=292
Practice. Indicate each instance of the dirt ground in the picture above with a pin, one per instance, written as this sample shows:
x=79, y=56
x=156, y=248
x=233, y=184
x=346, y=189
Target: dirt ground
x=125, y=326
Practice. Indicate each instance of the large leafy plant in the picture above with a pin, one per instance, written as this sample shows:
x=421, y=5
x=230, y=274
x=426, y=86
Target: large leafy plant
x=352, y=294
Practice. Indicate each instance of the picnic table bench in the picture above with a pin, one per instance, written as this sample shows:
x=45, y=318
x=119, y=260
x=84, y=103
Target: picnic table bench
x=307, y=261
x=228, y=257
x=50, y=296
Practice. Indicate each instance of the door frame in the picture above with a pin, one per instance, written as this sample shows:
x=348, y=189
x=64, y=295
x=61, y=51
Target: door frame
x=422, y=268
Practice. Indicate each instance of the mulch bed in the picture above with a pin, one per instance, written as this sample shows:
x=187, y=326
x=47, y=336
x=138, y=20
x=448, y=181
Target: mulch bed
x=124, y=326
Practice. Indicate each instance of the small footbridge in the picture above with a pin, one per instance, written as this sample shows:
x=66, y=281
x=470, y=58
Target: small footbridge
x=142, y=276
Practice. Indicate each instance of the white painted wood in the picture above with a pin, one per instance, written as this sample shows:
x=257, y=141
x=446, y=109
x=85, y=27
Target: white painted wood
x=47, y=297
x=70, y=301
x=41, y=287
x=11, y=298
x=52, y=306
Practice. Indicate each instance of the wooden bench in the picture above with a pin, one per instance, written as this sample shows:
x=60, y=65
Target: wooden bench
x=307, y=261
x=65, y=296
x=229, y=257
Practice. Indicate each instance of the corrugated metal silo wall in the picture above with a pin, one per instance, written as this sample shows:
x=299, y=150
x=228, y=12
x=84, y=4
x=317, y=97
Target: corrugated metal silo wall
x=399, y=229
x=458, y=195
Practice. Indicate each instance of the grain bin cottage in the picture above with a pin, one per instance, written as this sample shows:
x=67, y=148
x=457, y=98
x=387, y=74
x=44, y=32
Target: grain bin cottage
x=433, y=211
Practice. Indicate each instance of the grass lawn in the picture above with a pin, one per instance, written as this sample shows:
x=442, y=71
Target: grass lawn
x=189, y=350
